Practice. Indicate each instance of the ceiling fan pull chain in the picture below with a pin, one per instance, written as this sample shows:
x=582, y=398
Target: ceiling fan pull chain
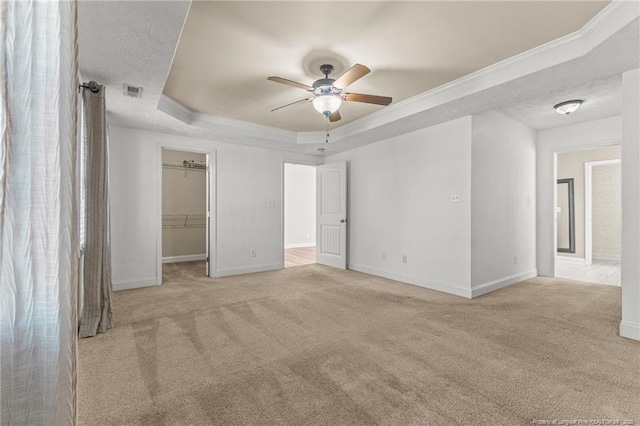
x=327, y=139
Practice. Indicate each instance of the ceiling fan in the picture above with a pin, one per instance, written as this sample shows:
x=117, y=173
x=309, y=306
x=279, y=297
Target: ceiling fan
x=328, y=93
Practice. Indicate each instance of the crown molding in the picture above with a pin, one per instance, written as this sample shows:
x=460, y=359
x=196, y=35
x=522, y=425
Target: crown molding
x=615, y=16
x=175, y=109
x=243, y=127
x=223, y=125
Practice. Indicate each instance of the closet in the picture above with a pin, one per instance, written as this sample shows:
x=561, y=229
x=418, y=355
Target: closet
x=184, y=214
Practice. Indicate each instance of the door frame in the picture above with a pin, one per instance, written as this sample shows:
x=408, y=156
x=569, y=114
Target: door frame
x=211, y=197
x=282, y=218
x=551, y=171
x=588, y=206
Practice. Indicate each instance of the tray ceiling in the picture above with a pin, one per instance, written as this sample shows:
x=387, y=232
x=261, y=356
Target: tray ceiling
x=228, y=49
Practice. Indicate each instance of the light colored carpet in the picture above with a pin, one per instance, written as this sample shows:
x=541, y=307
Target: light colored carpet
x=313, y=345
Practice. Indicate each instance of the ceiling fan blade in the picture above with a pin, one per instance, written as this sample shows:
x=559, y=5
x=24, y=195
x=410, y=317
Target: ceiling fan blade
x=334, y=117
x=291, y=83
x=301, y=101
x=368, y=99
x=352, y=74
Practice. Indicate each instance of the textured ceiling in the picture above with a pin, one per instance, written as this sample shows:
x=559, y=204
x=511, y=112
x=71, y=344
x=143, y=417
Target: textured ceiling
x=227, y=49
x=130, y=42
x=602, y=98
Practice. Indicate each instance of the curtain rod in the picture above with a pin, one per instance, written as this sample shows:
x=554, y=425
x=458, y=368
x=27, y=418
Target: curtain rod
x=92, y=85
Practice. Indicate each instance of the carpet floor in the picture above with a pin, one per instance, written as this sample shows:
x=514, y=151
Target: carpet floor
x=317, y=346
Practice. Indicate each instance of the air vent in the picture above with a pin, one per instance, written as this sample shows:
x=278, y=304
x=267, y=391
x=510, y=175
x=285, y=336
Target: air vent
x=133, y=91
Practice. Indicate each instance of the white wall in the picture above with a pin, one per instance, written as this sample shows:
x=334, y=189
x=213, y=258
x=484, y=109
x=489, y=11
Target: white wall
x=299, y=205
x=630, y=324
x=503, y=191
x=399, y=204
x=245, y=177
x=590, y=134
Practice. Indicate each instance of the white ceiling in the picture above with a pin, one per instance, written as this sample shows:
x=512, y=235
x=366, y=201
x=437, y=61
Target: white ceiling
x=227, y=49
x=134, y=42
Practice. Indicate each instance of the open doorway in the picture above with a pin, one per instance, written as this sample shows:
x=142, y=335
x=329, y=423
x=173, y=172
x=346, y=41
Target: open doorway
x=185, y=224
x=299, y=194
x=588, y=215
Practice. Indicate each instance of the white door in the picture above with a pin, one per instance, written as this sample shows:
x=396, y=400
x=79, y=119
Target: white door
x=331, y=246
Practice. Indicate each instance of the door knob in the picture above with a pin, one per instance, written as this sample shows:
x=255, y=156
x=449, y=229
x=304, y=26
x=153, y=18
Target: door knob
x=343, y=220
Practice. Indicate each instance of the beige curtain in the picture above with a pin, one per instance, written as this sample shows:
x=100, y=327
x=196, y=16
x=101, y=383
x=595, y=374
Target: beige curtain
x=96, y=316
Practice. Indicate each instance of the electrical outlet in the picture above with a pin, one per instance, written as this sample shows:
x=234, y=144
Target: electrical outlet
x=253, y=252
x=384, y=256
x=404, y=258
x=455, y=198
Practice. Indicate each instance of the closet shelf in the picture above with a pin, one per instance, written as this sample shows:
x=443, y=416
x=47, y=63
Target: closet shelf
x=184, y=221
x=187, y=168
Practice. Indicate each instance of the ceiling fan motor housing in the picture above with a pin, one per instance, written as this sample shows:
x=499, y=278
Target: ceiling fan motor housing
x=324, y=86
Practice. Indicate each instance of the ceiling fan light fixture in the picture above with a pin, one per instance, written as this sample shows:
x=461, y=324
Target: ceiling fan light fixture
x=567, y=107
x=328, y=93
x=327, y=104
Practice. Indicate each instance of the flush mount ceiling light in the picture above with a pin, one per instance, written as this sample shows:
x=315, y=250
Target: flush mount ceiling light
x=567, y=107
x=327, y=104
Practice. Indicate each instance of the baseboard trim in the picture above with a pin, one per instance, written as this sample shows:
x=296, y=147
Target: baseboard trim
x=572, y=260
x=605, y=256
x=299, y=245
x=629, y=330
x=543, y=272
x=185, y=258
x=444, y=287
x=247, y=270
x=131, y=284
x=490, y=286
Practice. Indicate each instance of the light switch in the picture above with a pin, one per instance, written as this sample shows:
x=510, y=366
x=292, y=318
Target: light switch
x=271, y=203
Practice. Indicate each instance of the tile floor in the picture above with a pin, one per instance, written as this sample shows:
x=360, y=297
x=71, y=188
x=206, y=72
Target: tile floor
x=600, y=271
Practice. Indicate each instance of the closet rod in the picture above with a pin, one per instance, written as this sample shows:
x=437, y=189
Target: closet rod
x=175, y=167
